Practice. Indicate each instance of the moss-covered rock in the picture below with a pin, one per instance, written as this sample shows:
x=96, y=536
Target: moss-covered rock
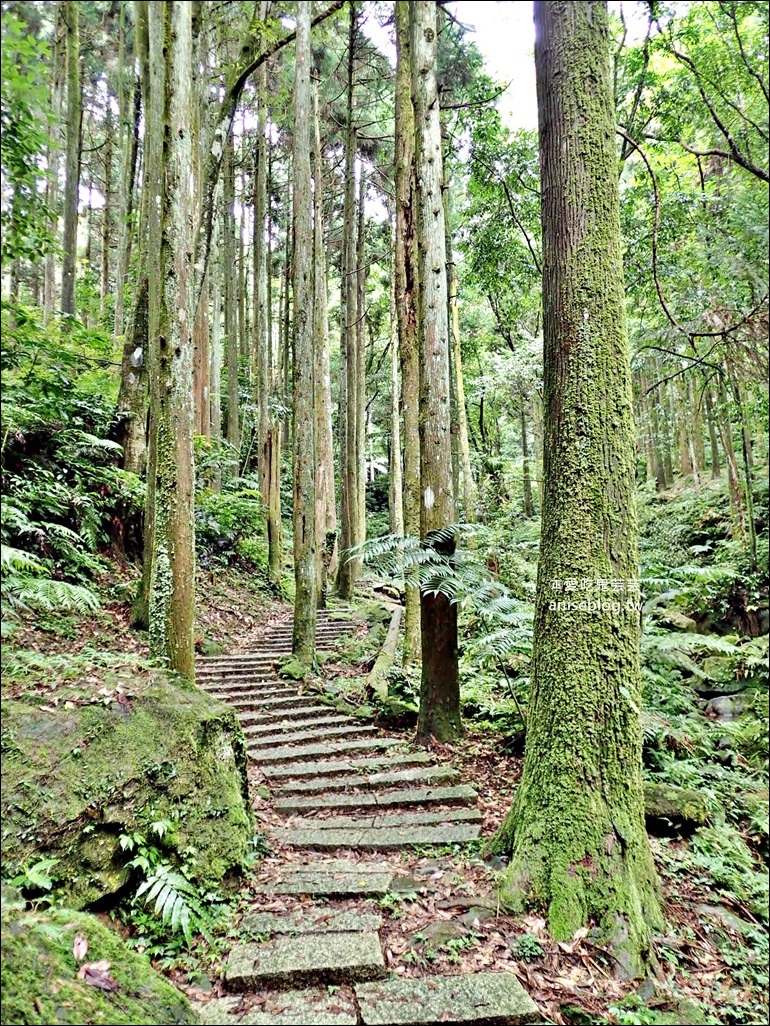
x=673, y=810
x=74, y=780
x=40, y=982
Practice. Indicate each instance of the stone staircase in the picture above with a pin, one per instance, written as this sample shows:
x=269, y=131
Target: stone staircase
x=340, y=785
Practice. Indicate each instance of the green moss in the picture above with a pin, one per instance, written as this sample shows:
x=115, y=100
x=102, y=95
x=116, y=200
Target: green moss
x=74, y=781
x=40, y=984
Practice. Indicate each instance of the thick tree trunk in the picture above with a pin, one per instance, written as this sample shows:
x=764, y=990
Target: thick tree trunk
x=360, y=337
x=303, y=643
x=576, y=830
x=231, y=312
x=406, y=310
x=72, y=158
x=172, y=586
x=326, y=512
x=395, y=477
x=349, y=568
x=440, y=689
x=132, y=397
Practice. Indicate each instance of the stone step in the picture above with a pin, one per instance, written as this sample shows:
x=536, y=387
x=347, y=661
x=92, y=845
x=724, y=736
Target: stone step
x=447, y=817
x=307, y=959
x=378, y=839
x=318, y=734
x=243, y=672
x=287, y=1008
x=258, y=689
x=475, y=999
x=367, y=781
x=291, y=714
x=317, y=919
x=331, y=748
x=286, y=726
x=331, y=766
x=332, y=878
x=459, y=793
x=252, y=700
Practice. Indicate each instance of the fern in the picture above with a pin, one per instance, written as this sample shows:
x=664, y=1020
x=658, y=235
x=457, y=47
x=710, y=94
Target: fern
x=177, y=901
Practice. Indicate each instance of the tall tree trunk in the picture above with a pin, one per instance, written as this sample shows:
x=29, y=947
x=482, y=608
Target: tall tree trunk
x=406, y=310
x=262, y=341
x=360, y=341
x=576, y=830
x=132, y=397
x=126, y=199
x=106, y=217
x=439, y=714
x=216, y=359
x=303, y=642
x=53, y=159
x=72, y=158
x=395, y=478
x=326, y=513
x=464, y=471
x=733, y=477
x=349, y=568
x=529, y=509
x=172, y=586
x=713, y=439
x=231, y=311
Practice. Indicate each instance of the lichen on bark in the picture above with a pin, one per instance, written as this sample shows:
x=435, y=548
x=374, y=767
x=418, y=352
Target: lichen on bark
x=576, y=831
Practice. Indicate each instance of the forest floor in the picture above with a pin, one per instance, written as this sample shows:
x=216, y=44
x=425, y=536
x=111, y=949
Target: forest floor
x=711, y=959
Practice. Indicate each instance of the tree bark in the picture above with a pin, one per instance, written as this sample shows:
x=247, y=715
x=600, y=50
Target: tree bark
x=406, y=310
x=216, y=360
x=349, y=568
x=326, y=512
x=132, y=397
x=106, y=217
x=576, y=831
x=231, y=312
x=529, y=509
x=395, y=477
x=172, y=585
x=360, y=341
x=53, y=159
x=439, y=714
x=713, y=439
x=303, y=642
x=72, y=158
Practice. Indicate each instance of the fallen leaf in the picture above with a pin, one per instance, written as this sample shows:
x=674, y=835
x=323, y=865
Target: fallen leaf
x=80, y=947
x=97, y=974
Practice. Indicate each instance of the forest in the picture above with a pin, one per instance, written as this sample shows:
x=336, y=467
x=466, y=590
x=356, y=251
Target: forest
x=385, y=512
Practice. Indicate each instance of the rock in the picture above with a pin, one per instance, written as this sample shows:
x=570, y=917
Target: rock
x=436, y=935
x=367, y=781
x=332, y=878
x=489, y=998
x=288, y=752
x=460, y=793
x=725, y=918
x=673, y=810
x=178, y=756
x=727, y=708
x=306, y=959
x=678, y=620
x=476, y=916
x=395, y=714
x=40, y=982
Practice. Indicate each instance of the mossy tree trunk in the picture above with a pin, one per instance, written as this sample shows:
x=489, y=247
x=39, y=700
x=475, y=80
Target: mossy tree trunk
x=406, y=311
x=395, y=477
x=326, y=512
x=70, y=16
x=172, y=582
x=303, y=644
x=132, y=397
x=53, y=159
x=529, y=509
x=440, y=689
x=576, y=831
x=231, y=309
x=349, y=568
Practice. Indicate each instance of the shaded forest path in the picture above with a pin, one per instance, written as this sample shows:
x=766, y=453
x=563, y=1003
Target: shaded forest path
x=311, y=950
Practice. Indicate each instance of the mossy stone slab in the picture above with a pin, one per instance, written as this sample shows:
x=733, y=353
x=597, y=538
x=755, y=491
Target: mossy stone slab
x=390, y=839
x=313, y=920
x=306, y=959
x=461, y=793
x=288, y=1008
x=477, y=999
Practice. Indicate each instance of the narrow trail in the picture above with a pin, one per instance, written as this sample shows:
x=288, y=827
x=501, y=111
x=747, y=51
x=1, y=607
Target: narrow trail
x=339, y=786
